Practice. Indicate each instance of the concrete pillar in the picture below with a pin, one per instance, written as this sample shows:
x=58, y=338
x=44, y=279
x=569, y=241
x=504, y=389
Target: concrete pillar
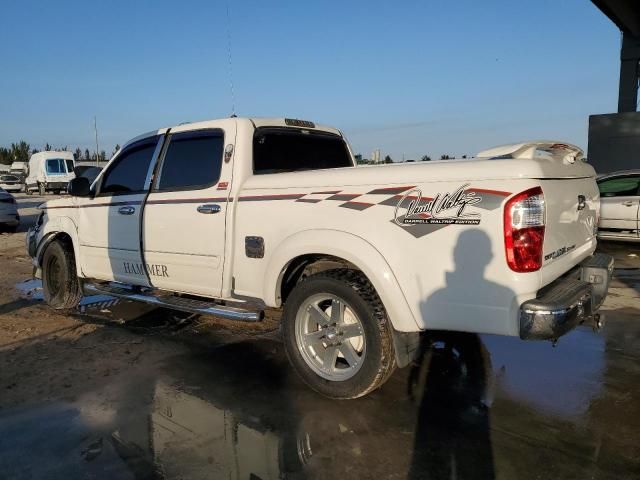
x=629, y=73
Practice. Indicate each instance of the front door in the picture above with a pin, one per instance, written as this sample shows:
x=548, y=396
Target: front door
x=109, y=223
x=619, y=205
x=184, y=216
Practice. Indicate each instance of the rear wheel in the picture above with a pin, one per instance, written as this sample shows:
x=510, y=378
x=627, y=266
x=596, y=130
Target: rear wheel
x=337, y=334
x=59, y=278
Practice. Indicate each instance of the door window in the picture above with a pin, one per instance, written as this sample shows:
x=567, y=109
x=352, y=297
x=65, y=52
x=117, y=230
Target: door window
x=619, y=186
x=69, y=166
x=193, y=161
x=128, y=173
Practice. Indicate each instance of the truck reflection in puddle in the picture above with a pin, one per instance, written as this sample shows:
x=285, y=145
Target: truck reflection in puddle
x=258, y=430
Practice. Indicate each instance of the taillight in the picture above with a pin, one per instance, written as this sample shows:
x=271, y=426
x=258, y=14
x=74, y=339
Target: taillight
x=524, y=218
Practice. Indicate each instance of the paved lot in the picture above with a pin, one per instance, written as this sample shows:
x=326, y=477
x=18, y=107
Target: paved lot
x=119, y=390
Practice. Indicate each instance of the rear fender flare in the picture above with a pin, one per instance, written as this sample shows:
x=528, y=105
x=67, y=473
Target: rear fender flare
x=351, y=248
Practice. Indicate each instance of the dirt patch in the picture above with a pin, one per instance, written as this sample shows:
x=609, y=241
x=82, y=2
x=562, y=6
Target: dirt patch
x=48, y=355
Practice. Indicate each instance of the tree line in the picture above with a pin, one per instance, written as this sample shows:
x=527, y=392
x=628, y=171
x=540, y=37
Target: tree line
x=388, y=159
x=21, y=151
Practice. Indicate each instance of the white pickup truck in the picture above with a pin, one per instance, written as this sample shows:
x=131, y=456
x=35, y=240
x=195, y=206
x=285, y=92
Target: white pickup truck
x=228, y=217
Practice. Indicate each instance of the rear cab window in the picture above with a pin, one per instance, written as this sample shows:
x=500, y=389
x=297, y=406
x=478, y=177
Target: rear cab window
x=285, y=149
x=55, y=166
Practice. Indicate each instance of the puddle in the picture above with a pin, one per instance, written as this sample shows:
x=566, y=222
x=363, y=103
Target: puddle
x=32, y=290
x=533, y=373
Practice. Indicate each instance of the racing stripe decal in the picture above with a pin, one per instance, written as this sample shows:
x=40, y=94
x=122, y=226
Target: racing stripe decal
x=264, y=198
x=357, y=205
x=344, y=197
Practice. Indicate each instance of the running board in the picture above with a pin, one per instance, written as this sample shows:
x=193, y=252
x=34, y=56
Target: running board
x=176, y=303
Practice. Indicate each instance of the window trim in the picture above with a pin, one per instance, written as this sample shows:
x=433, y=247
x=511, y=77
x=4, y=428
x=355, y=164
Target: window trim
x=205, y=132
x=116, y=161
x=618, y=177
x=288, y=129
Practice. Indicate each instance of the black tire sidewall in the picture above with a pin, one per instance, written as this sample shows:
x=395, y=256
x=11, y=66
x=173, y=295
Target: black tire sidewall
x=66, y=274
x=361, y=383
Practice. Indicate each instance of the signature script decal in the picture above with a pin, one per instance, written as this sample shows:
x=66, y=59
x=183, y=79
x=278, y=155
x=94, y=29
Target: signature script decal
x=444, y=209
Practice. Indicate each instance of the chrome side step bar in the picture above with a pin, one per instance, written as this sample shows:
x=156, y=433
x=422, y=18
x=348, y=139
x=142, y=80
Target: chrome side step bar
x=176, y=303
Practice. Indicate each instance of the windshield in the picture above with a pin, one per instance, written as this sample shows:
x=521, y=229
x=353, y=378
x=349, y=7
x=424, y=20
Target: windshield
x=9, y=178
x=55, y=166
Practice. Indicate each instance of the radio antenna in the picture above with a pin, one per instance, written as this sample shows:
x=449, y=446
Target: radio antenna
x=233, y=97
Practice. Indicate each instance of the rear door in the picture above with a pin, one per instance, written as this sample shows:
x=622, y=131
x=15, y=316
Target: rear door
x=619, y=205
x=109, y=223
x=184, y=216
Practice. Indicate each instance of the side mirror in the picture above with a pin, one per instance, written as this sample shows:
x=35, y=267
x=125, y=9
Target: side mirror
x=79, y=187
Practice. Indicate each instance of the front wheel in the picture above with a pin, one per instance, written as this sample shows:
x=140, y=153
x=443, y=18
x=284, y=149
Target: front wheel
x=59, y=278
x=337, y=334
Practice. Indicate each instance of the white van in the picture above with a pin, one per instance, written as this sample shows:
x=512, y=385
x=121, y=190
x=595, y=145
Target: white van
x=49, y=171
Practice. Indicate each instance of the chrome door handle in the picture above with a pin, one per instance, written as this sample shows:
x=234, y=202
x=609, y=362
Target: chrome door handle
x=208, y=209
x=126, y=210
x=628, y=203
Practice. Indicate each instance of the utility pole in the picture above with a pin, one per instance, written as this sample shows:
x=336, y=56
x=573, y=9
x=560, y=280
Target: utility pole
x=95, y=127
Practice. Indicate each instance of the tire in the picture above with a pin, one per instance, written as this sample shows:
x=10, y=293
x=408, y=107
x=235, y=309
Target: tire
x=59, y=278
x=41, y=190
x=323, y=356
x=26, y=189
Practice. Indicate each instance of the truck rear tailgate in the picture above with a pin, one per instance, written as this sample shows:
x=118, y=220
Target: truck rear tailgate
x=571, y=221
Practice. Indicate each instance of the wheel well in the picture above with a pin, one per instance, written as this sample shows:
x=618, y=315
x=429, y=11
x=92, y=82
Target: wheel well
x=301, y=267
x=64, y=237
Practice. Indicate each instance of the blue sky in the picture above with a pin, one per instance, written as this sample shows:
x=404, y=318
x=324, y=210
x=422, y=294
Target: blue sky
x=410, y=78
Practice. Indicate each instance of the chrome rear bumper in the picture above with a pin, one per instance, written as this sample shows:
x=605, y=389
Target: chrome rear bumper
x=569, y=301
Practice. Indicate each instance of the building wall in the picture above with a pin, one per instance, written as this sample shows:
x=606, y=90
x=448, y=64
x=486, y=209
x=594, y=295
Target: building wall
x=614, y=141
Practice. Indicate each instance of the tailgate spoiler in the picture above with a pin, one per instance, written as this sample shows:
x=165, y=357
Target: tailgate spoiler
x=535, y=149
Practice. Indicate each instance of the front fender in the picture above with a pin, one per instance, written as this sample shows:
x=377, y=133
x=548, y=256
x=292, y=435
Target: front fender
x=50, y=230
x=355, y=250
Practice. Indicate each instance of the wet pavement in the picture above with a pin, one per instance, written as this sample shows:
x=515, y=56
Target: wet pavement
x=230, y=407
x=472, y=407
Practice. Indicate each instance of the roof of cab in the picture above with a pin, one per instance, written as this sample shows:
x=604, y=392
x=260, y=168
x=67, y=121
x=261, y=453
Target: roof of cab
x=213, y=123
x=257, y=122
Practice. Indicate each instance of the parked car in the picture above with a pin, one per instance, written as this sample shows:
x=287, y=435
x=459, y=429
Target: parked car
x=620, y=206
x=227, y=217
x=19, y=169
x=49, y=171
x=90, y=173
x=10, y=183
x=9, y=217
